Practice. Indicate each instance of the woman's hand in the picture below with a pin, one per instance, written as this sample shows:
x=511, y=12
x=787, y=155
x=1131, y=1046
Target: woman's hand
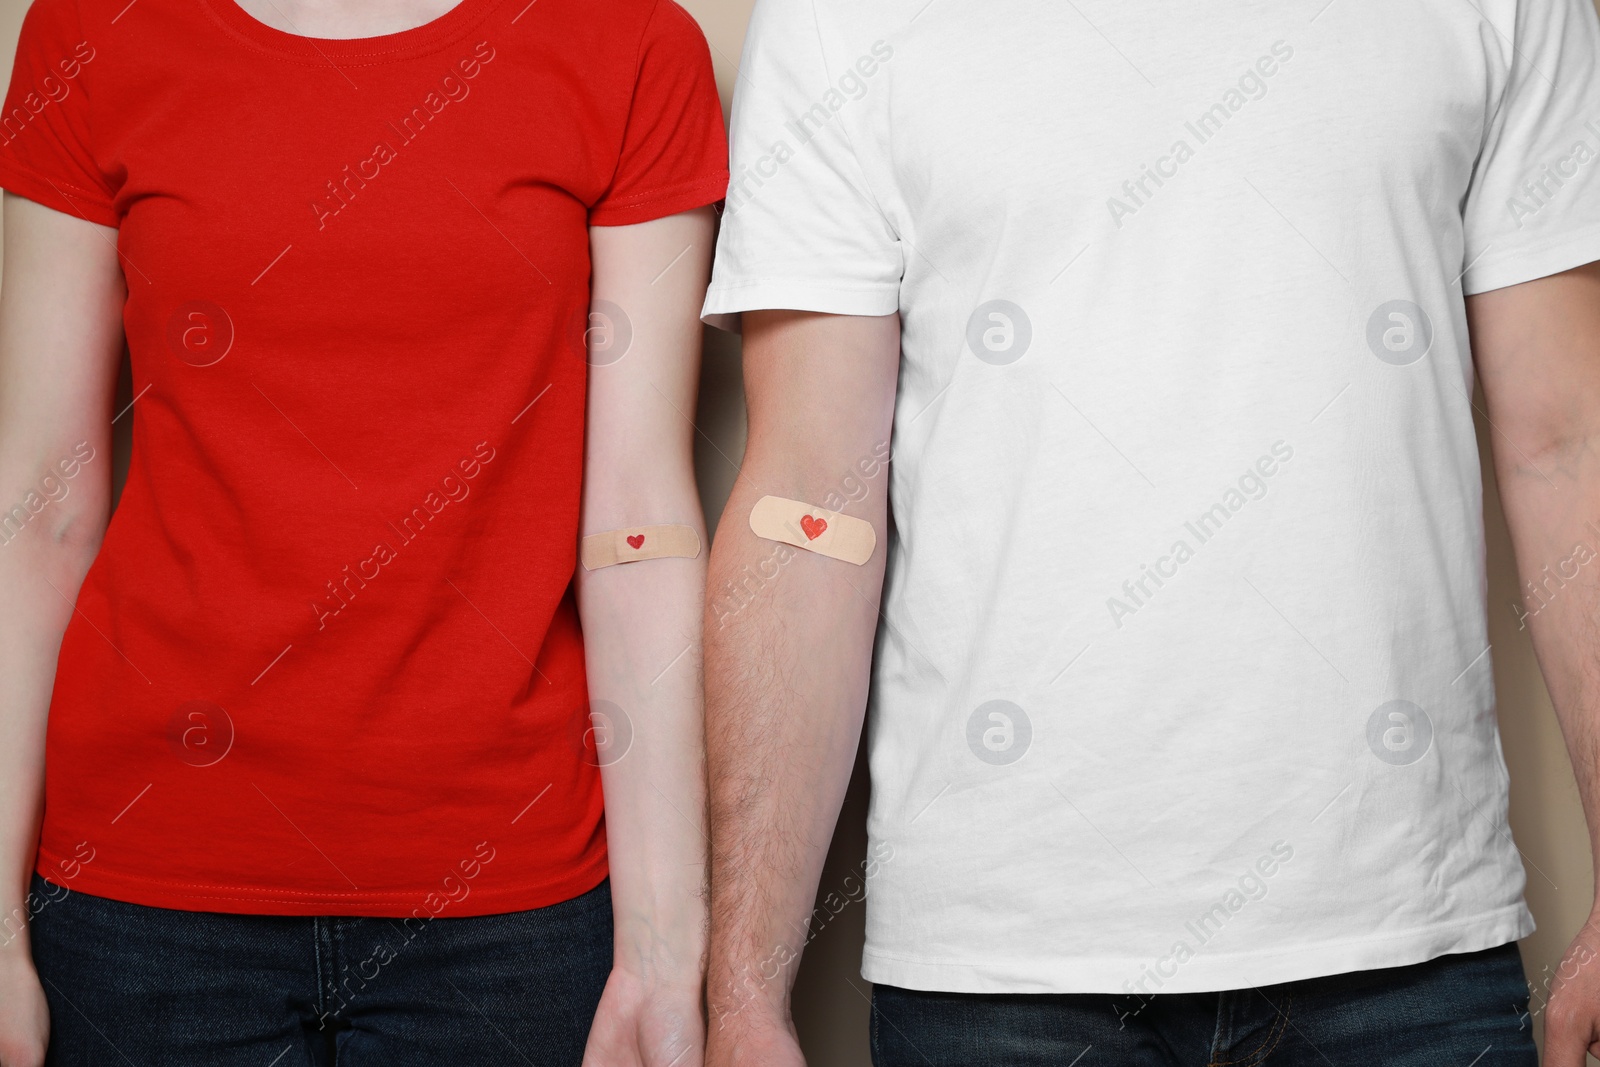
x=641, y=635
x=60, y=343
x=645, y=1022
x=24, y=1015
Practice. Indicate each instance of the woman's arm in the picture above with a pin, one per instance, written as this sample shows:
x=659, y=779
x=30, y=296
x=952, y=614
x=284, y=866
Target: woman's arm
x=60, y=339
x=641, y=627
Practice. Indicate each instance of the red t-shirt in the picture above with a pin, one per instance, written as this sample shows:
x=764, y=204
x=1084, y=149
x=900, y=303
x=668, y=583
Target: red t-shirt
x=327, y=661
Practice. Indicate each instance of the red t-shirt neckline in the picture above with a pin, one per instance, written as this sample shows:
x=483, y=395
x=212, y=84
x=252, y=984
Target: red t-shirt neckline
x=406, y=44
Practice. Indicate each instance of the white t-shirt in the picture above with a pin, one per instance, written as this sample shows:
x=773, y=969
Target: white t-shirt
x=1184, y=680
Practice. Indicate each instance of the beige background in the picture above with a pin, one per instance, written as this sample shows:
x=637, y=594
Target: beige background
x=831, y=997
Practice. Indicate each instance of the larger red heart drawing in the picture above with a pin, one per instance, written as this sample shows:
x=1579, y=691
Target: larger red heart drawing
x=813, y=527
x=635, y=540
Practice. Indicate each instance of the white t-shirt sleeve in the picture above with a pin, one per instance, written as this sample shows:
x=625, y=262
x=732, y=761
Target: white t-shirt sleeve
x=801, y=230
x=1534, y=205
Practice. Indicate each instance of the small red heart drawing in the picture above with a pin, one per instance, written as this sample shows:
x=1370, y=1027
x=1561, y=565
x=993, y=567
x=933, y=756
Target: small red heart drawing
x=813, y=527
x=636, y=540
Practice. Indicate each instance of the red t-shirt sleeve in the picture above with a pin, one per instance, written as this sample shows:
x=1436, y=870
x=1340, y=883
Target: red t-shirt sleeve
x=44, y=132
x=674, y=154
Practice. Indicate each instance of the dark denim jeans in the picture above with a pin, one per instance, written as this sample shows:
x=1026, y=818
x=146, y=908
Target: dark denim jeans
x=1464, y=1009
x=149, y=987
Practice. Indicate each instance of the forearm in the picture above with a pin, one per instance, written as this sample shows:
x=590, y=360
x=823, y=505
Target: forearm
x=1552, y=504
x=788, y=649
x=41, y=568
x=789, y=636
x=641, y=620
x=641, y=635
x=1537, y=349
x=60, y=337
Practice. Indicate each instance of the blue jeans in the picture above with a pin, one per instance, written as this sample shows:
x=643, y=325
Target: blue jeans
x=1464, y=1009
x=150, y=987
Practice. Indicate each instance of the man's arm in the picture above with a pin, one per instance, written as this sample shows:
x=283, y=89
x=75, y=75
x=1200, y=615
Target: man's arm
x=641, y=628
x=60, y=339
x=789, y=638
x=1537, y=348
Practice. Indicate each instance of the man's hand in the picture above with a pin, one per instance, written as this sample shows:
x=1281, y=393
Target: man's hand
x=1537, y=349
x=788, y=650
x=24, y=1016
x=1571, y=1023
x=645, y=1023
